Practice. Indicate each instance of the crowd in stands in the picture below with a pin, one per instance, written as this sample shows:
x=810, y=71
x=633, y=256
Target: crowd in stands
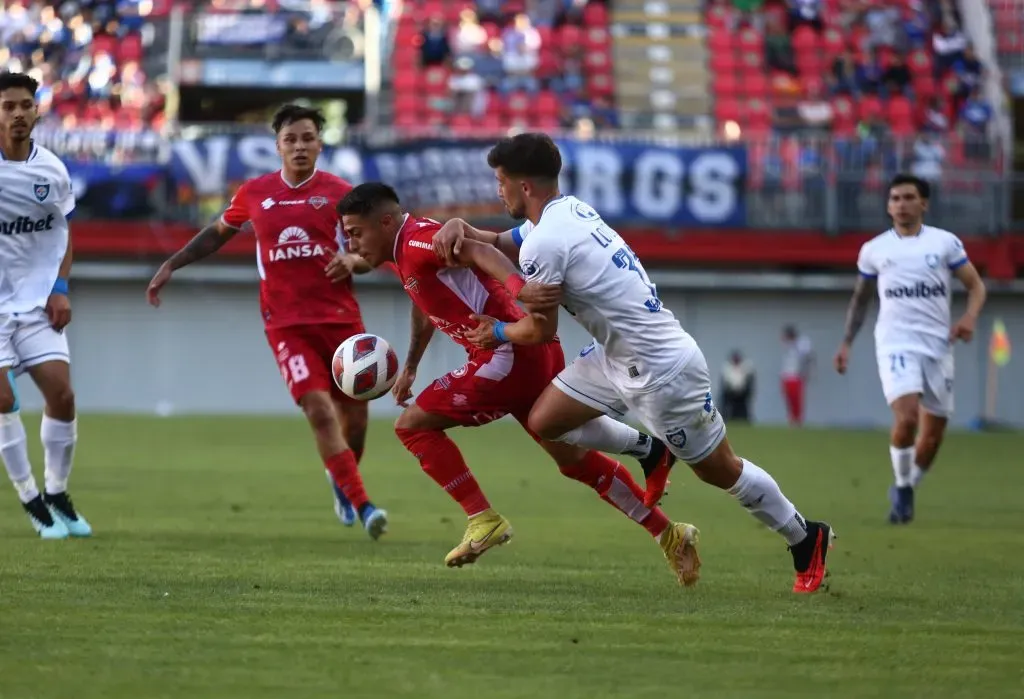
x=491, y=64
x=845, y=67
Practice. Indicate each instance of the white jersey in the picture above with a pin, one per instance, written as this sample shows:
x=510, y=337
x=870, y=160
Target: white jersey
x=915, y=275
x=608, y=292
x=35, y=203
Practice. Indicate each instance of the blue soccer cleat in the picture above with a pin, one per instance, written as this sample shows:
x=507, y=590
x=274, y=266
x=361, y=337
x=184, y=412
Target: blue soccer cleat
x=902, y=501
x=375, y=520
x=342, y=507
x=63, y=510
x=43, y=521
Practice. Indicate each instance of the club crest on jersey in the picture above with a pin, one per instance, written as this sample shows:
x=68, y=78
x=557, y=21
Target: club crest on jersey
x=932, y=260
x=529, y=268
x=318, y=202
x=412, y=285
x=676, y=439
x=41, y=190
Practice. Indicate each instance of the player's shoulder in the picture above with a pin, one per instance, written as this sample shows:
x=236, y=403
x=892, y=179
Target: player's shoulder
x=44, y=158
x=415, y=240
x=328, y=180
x=878, y=242
x=269, y=180
x=940, y=234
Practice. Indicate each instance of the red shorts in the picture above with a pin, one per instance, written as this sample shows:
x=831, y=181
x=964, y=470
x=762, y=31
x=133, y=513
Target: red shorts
x=490, y=386
x=304, y=353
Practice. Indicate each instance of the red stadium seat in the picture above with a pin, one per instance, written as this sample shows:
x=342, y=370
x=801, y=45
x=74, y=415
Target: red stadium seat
x=900, y=113
x=727, y=110
x=869, y=107
x=844, y=116
x=595, y=14
x=725, y=85
x=805, y=40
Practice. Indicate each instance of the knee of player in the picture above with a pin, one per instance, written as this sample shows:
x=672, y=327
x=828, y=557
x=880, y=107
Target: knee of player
x=408, y=421
x=906, y=421
x=544, y=428
x=319, y=413
x=62, y=402
x=8, y=403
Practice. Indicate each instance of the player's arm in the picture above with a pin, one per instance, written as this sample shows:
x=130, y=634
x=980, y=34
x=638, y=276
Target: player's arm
x=208, y=241
x=58, y=306
x=968, y=275
x=422, y=331
x=449, y=239
x=857, y=310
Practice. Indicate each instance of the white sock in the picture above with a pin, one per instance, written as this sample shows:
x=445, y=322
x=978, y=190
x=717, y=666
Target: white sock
x=760, y=495
x=610, y=436
x=902, y=460
x=58, y=440
x=14, y=450
x=916, y=475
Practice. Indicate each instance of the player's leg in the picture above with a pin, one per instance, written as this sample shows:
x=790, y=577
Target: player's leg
x=14, y=451
x=354, y=416
x=309, y=380
x=43, y=353
x=580, y=407
x=683, y=414
x=936, y=407
x=902, y=384
x=421, y=428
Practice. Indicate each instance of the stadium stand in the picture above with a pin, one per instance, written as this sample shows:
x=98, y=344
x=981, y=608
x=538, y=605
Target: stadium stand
x=1008, y=16
x=493, y=65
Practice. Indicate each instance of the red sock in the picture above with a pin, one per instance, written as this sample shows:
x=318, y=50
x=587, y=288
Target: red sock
x=614, y=483
x=441, y=460
x=345, y=473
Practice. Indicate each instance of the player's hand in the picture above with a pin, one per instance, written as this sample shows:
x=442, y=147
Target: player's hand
x=162, y=276
x=58, y=310
x=540, y=296
x=402, y=390
x=964, y=329
x=842, y=360
x=448, y=244
x=340, y=267
x=483, y=334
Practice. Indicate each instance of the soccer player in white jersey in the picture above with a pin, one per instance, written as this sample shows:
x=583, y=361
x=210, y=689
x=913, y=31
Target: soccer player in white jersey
x=35, y=260
x=912, y=266
x=641, y=360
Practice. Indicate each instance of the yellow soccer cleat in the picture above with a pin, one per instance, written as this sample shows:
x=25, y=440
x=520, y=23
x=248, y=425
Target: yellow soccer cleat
x=484, y=531
x=679, y=544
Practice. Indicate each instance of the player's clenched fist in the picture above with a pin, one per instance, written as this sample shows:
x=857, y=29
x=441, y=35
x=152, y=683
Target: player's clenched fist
x=483, y=334
x=58, y=310
x=402, y=390
x=160, y=279
x=341, y=267
x=963, y=330
x=448, y=242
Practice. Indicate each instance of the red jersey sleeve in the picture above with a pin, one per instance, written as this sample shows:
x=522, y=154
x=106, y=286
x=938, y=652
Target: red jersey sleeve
x=237, y=213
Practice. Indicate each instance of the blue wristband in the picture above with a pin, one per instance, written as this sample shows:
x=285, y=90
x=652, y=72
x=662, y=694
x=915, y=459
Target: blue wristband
x=499, y=332
x=60, y=286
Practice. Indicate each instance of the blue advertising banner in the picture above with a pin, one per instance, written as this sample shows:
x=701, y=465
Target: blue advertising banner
x=626, y=182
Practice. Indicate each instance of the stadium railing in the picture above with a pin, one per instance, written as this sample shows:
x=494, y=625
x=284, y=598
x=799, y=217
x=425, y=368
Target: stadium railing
x=793, y=182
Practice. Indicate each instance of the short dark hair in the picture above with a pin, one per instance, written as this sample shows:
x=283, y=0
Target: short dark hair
x=527, y=155
x=365, y=199
x=10, y=81
x=924, y=190
x=291, y=113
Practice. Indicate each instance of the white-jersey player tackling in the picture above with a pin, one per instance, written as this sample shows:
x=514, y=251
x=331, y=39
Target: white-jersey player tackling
x=641, y=360
x=35, y=260
x=913, y=266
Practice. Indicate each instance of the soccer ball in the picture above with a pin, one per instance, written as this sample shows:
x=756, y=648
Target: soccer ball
x=365, y=367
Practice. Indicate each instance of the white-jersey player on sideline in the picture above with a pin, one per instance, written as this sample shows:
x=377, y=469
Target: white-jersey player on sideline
x=912, y=266
x=641, y=360
x=35, y=260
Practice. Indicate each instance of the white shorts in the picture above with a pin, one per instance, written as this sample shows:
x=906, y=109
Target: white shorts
x=28, y=339
x=910, y=373
x=679, y=412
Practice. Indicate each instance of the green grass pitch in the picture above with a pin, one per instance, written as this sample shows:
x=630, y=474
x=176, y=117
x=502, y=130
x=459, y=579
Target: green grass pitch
x=219, y=570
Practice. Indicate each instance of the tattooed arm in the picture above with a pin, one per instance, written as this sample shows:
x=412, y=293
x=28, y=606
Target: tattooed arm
x=422, y=331
x=855, y=315
x=205, y=243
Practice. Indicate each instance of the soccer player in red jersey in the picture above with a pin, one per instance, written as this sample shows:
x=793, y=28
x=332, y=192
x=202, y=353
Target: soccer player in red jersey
x=306, y=294
x=495, y=382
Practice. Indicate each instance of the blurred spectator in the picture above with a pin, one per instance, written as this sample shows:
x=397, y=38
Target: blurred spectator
x=778, y=49
x=797, y=360
x=917, y=27
x=882, y=20
x=435, y=49
x=897, y=76
x=470, y=39
x=737, y=390
x=520, y=56
x=928, y=157
x=542, y=13
x=948, y=45
x=815, y=112
x=467, y=88
x=870, y=74
x=843, y=78
x=969, y=70
x=975, y=114
x=805, y=12
x=935, y=118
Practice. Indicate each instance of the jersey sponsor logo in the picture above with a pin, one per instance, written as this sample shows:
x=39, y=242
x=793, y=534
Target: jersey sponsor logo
x=267, y=203
x=710, y=411
x=293, y=243
x=921, y=290
x=318, y=202
x=41, y=190
x=420, y=244
x=26, y=224
x=292, y=202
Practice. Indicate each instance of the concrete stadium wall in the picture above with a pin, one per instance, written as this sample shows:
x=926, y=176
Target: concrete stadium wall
x=204, y=350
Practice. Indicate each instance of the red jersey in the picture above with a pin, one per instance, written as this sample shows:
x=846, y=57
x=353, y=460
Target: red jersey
x=449, y=295
x=298, y=231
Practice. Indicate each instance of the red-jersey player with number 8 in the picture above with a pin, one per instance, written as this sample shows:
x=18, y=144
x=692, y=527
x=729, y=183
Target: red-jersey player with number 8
x=495, y=382
x=306, y=296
